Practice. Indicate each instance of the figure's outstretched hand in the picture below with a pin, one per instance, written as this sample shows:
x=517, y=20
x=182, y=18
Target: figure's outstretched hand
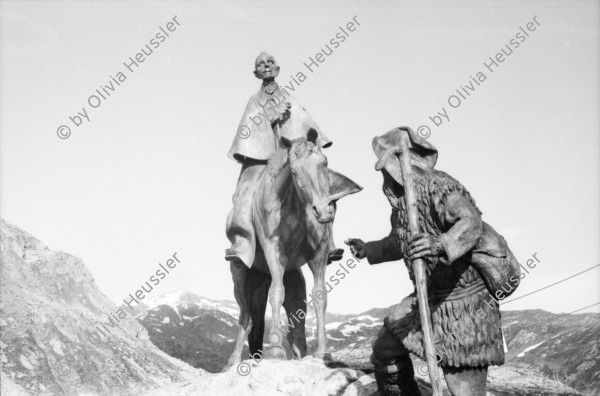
x=357, y=247
x=424, y=245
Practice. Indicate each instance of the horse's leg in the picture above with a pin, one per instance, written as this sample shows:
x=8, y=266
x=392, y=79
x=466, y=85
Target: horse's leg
x=277, y=264
x=319, y=296
x=239, y=273
x=295, y=307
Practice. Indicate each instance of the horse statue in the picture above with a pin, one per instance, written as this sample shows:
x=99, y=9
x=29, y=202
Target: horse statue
x=293, y=211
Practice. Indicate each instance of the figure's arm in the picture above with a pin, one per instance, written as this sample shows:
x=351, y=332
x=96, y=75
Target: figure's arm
x=386, y=249
x=463, y=222
x=277, y=113
x=465, y=226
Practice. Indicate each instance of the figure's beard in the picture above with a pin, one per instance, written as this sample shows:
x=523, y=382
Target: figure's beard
x=392, y=190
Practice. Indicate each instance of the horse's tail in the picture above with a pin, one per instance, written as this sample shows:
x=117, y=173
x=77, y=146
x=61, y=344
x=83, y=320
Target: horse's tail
x=257, y=289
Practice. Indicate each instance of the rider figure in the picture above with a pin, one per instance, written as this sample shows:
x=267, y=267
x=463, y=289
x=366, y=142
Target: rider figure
x=270, y=113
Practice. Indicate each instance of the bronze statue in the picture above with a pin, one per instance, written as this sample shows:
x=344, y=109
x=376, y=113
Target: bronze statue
x=292, y=211
x=270, y=113
x=466, y=262
x=284, y=207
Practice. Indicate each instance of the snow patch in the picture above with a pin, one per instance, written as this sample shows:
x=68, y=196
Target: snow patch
x=365, y=317
x=25, y=362
x=228, y=323
x=529, y=349
x=348, y=329
x=332, y=325
x=56, y=346
x=166, y=299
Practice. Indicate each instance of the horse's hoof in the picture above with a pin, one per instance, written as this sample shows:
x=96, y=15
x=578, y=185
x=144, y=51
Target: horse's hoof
x=275, y=353
x=324, y=356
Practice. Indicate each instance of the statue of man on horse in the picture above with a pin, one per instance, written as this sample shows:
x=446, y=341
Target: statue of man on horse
x=282, y=216
x=271, y=113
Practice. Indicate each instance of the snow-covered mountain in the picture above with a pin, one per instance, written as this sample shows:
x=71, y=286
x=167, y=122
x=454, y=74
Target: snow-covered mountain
x=194, y=329
x=564, y=347
x=202, y=331
x=60, y=335
x=551, y=353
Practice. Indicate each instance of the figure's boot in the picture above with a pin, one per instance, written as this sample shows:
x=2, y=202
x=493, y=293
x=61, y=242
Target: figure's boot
x=400, y=383
x=335, y=255
x=387, y=383
x=407, y=383
x=231, y=255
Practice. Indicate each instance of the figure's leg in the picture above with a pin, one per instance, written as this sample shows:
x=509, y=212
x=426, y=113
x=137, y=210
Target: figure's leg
x=240, y=229
x=318, y=266
x=466, y=381
x=295, y=307
x=239, y=274
x=394, y=371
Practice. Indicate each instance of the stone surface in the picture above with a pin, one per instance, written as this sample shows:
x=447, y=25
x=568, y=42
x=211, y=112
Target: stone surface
x=306, y=377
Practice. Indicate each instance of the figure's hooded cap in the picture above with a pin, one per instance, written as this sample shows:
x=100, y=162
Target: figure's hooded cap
x=387, y=148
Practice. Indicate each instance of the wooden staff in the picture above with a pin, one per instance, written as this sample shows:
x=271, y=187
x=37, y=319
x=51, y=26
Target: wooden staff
x=419, y=267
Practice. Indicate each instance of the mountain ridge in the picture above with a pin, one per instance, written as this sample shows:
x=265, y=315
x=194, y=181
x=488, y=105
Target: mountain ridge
x=50, y=341
x=349, y=338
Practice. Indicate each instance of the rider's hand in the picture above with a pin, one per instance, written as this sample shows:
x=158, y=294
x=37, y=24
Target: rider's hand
x=357, y=247
x=273, y=116
x=285, y=111
x=424, y=245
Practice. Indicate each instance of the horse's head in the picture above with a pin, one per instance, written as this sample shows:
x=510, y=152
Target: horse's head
x=308, y=166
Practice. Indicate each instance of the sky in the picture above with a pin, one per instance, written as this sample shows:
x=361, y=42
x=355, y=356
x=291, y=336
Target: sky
x=147, y=175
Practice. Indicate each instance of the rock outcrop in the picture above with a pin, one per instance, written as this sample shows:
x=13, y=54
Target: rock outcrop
x=306, y=377
x=50, y=310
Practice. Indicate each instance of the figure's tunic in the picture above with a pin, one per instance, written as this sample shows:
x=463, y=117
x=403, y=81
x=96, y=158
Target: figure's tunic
x=465, y=318
x=255, y=138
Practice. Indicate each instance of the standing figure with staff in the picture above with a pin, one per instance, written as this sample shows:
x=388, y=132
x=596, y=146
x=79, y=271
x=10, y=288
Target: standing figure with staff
x=464, y=262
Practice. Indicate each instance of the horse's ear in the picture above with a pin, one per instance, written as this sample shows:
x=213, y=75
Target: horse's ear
x=285, y=143
x=340, y=186
x=312, y=136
